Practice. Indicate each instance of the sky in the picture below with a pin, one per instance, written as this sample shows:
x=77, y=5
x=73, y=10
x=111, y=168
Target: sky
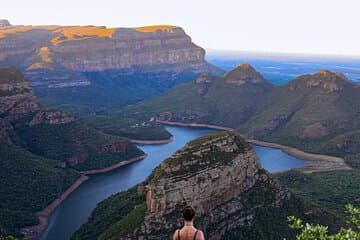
x=287, y=26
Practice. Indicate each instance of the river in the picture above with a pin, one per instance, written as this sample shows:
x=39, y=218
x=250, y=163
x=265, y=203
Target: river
x=76, y=209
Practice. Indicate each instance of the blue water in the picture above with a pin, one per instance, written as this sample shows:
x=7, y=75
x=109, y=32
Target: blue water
x=275, y=160
x=281, y=70
x=76, y=209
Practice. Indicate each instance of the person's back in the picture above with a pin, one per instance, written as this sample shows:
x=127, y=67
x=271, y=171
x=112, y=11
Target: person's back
x=188, y=232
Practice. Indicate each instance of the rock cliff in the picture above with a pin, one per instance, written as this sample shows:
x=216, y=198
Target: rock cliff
x=70, y=64
x=51, y=133
x=4, y=23
x=16, y=95
x=91, y=48
x=219, y=175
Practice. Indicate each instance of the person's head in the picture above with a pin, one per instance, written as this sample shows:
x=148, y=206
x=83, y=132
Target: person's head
x=188, y=213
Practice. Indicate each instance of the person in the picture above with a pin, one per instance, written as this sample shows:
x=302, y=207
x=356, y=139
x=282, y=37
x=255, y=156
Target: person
x=188, y=231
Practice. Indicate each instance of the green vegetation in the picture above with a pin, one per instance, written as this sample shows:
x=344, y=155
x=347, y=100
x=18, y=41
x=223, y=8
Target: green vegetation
x=109, y=90
x=63, y=141
x=126, y=224
x=331, y=190
x=198, y=141
x=319, y=232
x=117, y=214
x=107, y=159
x=270, y=221
x=130, y=128
x=28, y=184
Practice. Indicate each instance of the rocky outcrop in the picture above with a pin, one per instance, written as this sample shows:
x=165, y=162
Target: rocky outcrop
x=91, y=48
x=328, y=81
x=220, y=177
x=51, y=117
x=16, y=95
x=4, y=23
x=17, y=100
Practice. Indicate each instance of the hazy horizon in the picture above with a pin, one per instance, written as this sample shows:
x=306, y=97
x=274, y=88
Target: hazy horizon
x=298, y=27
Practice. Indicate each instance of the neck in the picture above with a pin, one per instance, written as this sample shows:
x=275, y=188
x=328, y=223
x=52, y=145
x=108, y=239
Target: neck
x=188, y=223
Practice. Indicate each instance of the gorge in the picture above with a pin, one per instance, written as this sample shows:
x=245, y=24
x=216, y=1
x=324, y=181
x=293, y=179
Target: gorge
x=216, y=175
x=77, y=208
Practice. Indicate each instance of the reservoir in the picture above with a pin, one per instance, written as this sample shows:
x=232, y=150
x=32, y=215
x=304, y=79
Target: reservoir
x=77, y=208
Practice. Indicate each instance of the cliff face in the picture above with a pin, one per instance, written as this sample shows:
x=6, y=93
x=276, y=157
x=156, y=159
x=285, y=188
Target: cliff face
x=91, y=48
x=4, y=23
x=70, y=64
x=219, y=175
x=17, y=101
x=16, y=95
x=131, y=48
x=213, y=176
x=50, y=133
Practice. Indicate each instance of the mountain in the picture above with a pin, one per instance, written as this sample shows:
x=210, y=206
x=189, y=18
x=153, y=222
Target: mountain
x=39, y=150
x=229, y=100
x=316, y=112
x=54, y=134
x=219, y=175
x=68, y=65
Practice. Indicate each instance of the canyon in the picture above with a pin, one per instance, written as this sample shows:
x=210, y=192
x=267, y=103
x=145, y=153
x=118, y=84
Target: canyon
x=40, y=151
x=67, y=64
x=220, y=176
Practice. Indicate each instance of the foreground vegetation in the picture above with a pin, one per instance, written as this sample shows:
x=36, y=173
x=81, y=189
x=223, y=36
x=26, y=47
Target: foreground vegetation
x=319, y=232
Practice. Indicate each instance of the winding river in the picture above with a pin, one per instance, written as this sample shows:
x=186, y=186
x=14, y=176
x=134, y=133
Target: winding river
x=76, y=209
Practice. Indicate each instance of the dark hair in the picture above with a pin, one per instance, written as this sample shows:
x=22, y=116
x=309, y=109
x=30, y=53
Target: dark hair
x=188, y=213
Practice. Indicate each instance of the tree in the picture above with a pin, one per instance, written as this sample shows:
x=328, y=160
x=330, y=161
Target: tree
x=319, y=232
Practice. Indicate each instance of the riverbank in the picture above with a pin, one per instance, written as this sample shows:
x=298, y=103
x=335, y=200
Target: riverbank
x=313, y=162
x=44, y=215
x=200, y=125
x=152, y=142
x=113, y=167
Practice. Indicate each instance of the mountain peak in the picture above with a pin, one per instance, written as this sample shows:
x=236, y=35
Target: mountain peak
x=4, y=23
x=244, y=73
x=325, y=79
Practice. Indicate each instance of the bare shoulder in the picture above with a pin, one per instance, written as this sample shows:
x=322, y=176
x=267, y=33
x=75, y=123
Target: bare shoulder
x=175, y=235
x=200, y=235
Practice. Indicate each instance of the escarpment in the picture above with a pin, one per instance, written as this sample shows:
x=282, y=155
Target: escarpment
x=92, y=48
x=51, y=133
x=219, y=175
x=70, y=64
